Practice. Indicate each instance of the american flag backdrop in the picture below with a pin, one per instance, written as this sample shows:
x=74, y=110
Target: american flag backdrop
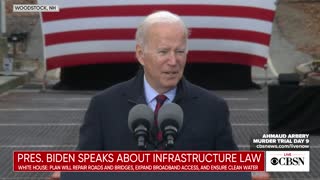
x=103, y=31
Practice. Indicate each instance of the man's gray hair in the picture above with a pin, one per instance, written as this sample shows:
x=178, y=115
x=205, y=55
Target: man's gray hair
x=158, y=17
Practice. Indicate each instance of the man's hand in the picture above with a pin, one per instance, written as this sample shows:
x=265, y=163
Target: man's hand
x=55, y=176
x=261, y=176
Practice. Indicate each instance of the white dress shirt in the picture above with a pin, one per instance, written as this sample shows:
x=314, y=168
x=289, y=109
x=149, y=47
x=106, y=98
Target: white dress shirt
x=151, y=94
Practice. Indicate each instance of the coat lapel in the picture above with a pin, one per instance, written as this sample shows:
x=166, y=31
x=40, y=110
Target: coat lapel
x=135, y=91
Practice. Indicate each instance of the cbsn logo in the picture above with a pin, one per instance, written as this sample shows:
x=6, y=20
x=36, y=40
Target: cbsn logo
x=287, y=161
x=294, y=161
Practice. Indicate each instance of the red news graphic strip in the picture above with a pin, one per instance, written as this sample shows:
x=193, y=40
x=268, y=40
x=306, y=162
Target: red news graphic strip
x=123, y=161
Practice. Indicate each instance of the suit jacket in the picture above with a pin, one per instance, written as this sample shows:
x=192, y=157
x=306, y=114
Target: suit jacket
x=205, y=127
x=205, y=124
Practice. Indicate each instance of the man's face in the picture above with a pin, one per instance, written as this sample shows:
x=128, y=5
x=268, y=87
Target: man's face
x=163, y=55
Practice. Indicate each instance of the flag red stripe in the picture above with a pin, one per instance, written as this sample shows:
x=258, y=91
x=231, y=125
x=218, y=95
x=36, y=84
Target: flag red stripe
x=87, y=35
x=127, y=34
x=90, y=58
x=129, y=57
x=226, y=57
x=143, y=10
x=231, y=34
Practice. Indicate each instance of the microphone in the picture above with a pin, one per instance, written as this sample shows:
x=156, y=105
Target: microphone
x=140, y=121
x=170, y=120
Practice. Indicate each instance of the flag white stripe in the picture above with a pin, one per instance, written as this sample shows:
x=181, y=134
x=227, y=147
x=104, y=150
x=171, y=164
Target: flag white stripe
x=129, y=45
x=228, y=45
x=266, y=4
x=90, y=47
x=133, y=22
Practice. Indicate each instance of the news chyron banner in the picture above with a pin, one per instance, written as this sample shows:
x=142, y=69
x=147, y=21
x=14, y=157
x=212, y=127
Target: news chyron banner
x=139, y=161
x=284, y=152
